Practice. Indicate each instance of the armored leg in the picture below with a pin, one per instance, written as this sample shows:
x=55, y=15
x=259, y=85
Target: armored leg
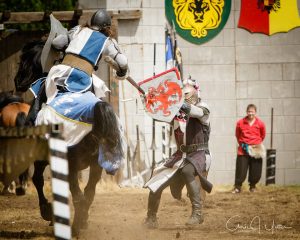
x=153, y=204
x=193, y=189
x=196, y=217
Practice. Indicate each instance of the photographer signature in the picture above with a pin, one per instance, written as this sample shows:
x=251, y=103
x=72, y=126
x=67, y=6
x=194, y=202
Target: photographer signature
x=254, y=225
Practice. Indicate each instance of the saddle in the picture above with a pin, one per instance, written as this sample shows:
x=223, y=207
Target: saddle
x=36, y=105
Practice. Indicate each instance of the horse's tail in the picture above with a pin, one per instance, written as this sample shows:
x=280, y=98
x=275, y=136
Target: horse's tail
x=107, y=127
x=21, y=119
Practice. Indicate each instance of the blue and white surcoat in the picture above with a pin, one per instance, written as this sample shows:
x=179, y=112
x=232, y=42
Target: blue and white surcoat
x=86, y=44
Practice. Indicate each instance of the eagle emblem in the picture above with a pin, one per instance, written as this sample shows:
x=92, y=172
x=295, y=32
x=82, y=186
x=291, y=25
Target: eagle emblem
x=268, y=5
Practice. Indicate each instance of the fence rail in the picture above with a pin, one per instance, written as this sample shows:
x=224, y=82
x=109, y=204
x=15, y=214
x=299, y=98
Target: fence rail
x=21, y=146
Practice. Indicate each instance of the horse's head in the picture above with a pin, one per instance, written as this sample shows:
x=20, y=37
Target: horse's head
x=3, y=98
x=30, y=67
x=7, y=97
x=106, y=128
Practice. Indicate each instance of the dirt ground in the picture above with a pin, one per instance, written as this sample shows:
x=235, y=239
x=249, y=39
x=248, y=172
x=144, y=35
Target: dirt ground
x=117, y=214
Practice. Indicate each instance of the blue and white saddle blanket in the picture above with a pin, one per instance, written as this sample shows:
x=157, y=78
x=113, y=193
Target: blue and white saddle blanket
x=78, y=107
x=76, y=112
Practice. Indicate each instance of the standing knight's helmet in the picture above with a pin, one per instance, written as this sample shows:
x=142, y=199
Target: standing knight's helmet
x=191, y=90
x=101, y=19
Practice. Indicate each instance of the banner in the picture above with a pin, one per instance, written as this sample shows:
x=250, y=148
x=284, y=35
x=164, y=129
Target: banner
x=269, y=16
x=169, y=51
x=173, y=53
x=198, y=21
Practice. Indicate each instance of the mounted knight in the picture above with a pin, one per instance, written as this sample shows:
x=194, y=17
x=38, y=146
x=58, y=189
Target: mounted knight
x=70, y=93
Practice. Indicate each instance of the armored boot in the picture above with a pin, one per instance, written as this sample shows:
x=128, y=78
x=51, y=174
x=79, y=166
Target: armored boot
x=153, y=204
x=193, y=189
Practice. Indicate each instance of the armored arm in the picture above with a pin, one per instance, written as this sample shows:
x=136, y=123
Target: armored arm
x=61, y=41
x=186, y=107
x=112, y=50
x=200, y=111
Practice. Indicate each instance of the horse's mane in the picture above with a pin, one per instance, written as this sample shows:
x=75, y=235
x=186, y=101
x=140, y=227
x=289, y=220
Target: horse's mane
x=30, y=68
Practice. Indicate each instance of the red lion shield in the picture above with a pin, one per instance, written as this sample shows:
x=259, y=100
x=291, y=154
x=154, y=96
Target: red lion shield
x=163, y=97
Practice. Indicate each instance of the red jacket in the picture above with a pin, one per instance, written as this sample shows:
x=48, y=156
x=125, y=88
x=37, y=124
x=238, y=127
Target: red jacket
x=251, y=135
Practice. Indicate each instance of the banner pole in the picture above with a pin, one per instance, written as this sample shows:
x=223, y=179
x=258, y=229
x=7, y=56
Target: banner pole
x=153, y=145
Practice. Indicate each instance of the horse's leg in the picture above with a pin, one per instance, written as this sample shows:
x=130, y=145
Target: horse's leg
x=89, y=190
x=38, y=181
x=21, y=184
x=20, y=122
x=6, y=190
x=78, y=202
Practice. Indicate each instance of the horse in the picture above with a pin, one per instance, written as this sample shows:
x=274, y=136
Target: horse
x=105, y=132
x=13, y=113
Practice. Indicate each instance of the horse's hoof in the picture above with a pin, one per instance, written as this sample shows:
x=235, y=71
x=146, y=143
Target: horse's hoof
x=6, y=192
x=46, y=211
x=20, y=191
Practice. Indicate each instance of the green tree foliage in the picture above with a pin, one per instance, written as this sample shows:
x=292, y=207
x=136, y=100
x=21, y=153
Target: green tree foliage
x=35, y=6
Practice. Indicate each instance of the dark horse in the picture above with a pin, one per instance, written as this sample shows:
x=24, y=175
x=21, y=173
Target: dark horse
x=105, y=131
x=13, y=112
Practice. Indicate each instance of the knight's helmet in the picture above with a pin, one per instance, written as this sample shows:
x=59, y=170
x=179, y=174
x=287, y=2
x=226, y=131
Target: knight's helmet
x=191, y=91
x=101, y=19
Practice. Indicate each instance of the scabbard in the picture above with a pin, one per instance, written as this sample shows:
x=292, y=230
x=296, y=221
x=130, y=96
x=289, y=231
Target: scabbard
x=206, y=185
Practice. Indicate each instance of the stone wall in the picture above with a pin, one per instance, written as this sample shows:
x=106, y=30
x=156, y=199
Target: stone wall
x=233, y=69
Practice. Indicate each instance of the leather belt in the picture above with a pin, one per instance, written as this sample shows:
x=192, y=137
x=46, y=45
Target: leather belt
x=193, y=147
x=79, y=63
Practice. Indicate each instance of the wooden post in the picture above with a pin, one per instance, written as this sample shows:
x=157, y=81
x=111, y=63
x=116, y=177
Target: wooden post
x=271, y=158
x=60, y=184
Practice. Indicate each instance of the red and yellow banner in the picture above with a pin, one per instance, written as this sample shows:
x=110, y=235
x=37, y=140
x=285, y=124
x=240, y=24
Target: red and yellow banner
x=269, y=16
